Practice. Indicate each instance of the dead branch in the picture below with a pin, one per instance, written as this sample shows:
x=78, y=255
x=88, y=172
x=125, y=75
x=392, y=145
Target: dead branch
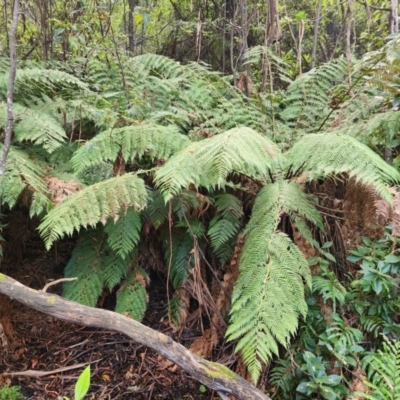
x=213, y=375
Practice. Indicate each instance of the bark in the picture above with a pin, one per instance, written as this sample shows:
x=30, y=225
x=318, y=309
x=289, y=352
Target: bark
x=394, y=22
x=316, y=29
x=273, y=32
x=10, y=89
x=131, y=27
x=213, y=375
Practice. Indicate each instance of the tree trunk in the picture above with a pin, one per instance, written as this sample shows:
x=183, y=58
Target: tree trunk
x=131, y=27
x=394, y=22
x=316, y=29
x=10, y=88
x=215, y=376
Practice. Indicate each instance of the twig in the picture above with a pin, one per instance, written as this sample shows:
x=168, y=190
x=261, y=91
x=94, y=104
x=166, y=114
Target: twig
x=57, y=281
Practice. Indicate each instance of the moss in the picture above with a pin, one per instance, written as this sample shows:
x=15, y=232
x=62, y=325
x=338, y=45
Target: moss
x=2, y=276
x=51, y=300
x=11, y=393
x=219, y=371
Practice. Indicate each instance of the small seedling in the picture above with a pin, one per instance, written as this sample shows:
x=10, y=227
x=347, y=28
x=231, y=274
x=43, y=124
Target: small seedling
x=82, y=384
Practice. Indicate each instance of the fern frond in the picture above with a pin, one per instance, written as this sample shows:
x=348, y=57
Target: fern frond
x=307, y=98
x=330, y=288
x=40, y=128
x=225, y=225
x=330, y=154
x=383, y=370
x=85, y=264
x=113, y=267
x=156, y=211
x=181, y=261
x=132, y=298
x=208, y=163
x=123, y=234
x=93, y=204
x=23, y=173
x=154, y=141
x=272, y=269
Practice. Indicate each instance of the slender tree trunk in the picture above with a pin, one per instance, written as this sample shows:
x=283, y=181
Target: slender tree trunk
x=316, y=29
x=131, y=27
x=348, y=39
x=273, y=33
x=10, y=88
x=394, y=22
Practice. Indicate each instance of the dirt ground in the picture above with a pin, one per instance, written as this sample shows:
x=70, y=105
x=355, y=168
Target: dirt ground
x=32, y=343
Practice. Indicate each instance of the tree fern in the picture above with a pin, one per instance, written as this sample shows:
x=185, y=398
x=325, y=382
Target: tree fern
x=208, y=163
x=178, y=256
x=225, y=225
x=154, y=141
x=323, y=155
x=306, y=100
x=270, y=284
x=93, y=204
x=132, y=297
x=85, y=264
x=124, y=233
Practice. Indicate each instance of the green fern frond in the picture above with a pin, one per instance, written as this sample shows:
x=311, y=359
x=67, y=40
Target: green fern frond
x=208, y=163
x=154, y=141
x=123, y=234
x=330, y=288
x=321, y=156
x=93, y=204
x=132, y=298
x=30, y=81
x=181, y=261
x=156, y=211
x=307, y=98
x=270, y=285
x=40, y=128
x=86, y=265
x=113, y=268
x=23, y=173
x=225, y=225
x=383, y=370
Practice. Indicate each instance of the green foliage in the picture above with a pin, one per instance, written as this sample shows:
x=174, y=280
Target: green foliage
x=209, y=162
x=307, y=98
x=11, y=393
x=270, y=286
x=82, y=384
x=124, y=234
x=334, y=154
x=318, y=381
x=225, y=225
x=383, y=370
x=135, y=142
x=93, y=204
x=132, y=297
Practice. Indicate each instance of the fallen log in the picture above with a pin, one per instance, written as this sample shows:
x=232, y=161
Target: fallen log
x=213, y=375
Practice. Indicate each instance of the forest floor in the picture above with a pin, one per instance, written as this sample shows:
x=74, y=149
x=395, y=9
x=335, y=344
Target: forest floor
x=35, y=342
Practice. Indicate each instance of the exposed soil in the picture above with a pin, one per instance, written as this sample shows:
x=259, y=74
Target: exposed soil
x=34, y=341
